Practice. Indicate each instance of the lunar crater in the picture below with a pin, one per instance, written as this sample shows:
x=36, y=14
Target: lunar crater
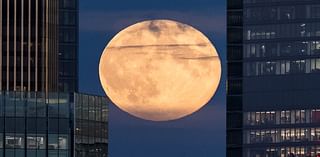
x=155, y=28
x=160, y=70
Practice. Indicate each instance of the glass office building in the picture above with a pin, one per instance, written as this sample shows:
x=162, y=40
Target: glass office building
x=68, y=45
x=39, y=45
x=60, y=125
x=40, y=113
x=91, y=126
x=273, y=78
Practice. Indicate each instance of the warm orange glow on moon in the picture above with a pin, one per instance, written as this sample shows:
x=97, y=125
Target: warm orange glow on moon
x=160, y=70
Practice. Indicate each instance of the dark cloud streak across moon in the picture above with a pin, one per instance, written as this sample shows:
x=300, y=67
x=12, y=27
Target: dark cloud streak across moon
x=168, y=45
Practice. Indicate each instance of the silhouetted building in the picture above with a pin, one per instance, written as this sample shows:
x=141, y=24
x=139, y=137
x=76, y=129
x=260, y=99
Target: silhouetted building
x=40, y=113
x=273, y=78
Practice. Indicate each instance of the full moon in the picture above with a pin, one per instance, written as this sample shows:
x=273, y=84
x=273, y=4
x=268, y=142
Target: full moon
x=160, y=70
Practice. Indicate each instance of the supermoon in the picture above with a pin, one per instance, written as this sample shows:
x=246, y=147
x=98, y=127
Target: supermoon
x=160, y=70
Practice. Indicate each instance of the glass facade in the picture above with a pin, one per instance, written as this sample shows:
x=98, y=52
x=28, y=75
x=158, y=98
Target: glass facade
x=39, y=54
x=273, y=75
x=68, y=45
x=39, y=45
x=234, y=82
x=33, y=125
x=91, y=132
x=27, y=38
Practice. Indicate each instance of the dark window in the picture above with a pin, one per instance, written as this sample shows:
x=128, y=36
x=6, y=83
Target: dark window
x=64, y=126
x=10, y=124
x=32, y=125
x=53, y=125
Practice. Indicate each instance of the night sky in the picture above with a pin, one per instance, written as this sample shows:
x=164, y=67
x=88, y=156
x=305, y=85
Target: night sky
x=199, y=135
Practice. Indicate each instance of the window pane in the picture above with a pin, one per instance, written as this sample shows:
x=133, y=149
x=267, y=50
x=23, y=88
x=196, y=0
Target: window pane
x=31, y=106
x=19, y=141
x=20, y=125
x=67, y=35
x=1, y=140
x=41, y=141
x=53, y=125
x=36, y=142
x=1, y=104
x=32, y=125
x=85, y=107
x=64, y=126
x=31, y=142
x=20, y=106
x=68, y=18
x=68, y=3
x=91, y=108
x=67, y=52
x=31, y=153
x=53, y=106
x=41, y=125
x=63, y=141
x=63, y=153
x=10, y=124
x=52, y=141
x=63, y=108
x=41, y=106
x=19, y=153
x=53, y=153
x=9, y=104
x=10, y=141
x=41, y=153
x=9, y=152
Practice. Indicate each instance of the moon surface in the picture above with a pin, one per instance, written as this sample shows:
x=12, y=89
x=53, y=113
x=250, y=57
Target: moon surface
x=160, y=70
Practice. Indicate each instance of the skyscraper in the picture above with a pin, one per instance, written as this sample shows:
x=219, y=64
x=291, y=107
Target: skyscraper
x=39, y=45
x=28, y=40
x=273, y=73
x=36, y=124
x=68, y=45
x=40, y=112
